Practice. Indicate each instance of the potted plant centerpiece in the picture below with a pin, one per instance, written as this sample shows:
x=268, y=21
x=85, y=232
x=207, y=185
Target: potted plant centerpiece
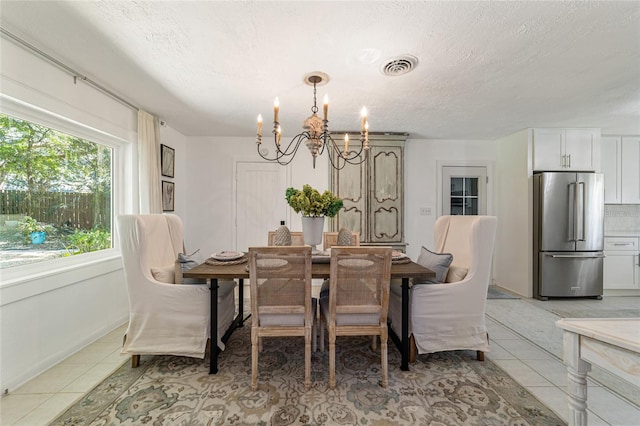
x=34, y=230
x=314, y=206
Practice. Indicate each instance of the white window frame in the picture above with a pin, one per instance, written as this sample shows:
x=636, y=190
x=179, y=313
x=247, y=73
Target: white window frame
x=121, y=150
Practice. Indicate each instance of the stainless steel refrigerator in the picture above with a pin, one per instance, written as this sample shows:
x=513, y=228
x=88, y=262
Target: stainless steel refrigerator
x=568, y=234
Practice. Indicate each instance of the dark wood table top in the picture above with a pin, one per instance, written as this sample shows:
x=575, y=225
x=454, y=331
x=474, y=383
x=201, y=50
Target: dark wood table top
x=318, y=270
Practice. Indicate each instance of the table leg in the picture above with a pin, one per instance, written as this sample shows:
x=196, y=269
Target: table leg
x=404, y=364
x=577, y=370
x=241, y=302
x=213, y=352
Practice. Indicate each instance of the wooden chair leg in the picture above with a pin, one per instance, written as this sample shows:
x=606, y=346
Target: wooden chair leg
x=384, y=362
x=413, y=350
x=135, y=361
x=207, y=349
x=332, y=359
x=480, y=355
x=254, y=358
x=307, y=357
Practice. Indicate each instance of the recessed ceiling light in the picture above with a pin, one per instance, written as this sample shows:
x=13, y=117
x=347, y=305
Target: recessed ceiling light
x=399, y=65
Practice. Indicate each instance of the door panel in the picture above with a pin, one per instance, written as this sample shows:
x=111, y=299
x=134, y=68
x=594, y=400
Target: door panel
x=566, y=275
x=386, y=196
x=349, y=184
x=591, y=237
x=556, y=209
x=260, y=202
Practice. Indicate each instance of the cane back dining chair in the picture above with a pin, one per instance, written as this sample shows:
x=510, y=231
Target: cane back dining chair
x=330, y=239
x=358, y=299
x=281, y=303
x=297, y=238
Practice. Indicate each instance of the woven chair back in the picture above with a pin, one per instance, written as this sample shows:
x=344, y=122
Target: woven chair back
x=280, y=280
x=359, y=282
x=330, y=239
x=297, y=238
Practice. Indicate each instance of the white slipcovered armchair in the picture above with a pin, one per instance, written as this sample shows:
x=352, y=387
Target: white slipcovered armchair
x=451, y=315
x=165, y=318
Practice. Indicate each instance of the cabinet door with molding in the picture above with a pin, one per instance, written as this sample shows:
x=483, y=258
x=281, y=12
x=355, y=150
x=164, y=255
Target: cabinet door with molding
x=386, y=194
x=630, y=181
x=579, y=149
x=350, y=184
x=611, y=168
x=548, y=149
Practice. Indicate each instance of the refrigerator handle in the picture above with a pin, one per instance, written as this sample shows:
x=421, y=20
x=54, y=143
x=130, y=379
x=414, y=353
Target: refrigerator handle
x=573, y=212
x=582, y=214
x=573, y=256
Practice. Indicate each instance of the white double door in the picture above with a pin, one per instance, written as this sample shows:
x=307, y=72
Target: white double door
x=260, y=202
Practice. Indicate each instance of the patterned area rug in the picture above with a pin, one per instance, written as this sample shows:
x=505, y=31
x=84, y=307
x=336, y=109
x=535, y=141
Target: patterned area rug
x=449, y=388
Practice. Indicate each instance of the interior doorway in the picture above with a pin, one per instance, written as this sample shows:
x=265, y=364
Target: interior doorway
x=259, y=203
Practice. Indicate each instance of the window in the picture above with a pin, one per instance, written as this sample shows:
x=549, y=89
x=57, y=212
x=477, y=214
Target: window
x=464, y=190
x=55, y=193
x=464, y=196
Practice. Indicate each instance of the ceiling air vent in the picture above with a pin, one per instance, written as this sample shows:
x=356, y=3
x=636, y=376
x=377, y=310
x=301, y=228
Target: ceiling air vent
x=399, y=65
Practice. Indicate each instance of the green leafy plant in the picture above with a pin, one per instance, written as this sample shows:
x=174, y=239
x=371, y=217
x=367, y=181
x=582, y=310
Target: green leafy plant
x=310, y=202
x=28, y=225
x=88, y=241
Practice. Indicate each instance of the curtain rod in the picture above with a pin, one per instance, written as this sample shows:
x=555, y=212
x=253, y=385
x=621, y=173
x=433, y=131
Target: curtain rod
x=76, y=75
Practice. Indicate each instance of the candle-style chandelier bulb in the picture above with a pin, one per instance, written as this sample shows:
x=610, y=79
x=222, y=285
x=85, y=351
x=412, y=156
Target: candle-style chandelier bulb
x=315, y=134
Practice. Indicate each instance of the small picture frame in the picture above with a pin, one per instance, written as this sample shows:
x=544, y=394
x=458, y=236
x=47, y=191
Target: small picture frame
x=167, y=160
x=168, y=196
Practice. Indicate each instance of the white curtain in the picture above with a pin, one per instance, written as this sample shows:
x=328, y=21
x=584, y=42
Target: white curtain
x=149, y=163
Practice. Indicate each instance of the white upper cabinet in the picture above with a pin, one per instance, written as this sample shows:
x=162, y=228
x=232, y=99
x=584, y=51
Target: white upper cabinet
x=630, y=170
x=621, y=168
x=612, y=169
x=566, y=149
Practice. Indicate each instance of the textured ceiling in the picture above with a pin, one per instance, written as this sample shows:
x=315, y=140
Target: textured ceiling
x=486, y=69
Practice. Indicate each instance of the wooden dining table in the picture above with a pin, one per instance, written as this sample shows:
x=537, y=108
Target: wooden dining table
x=238, y=271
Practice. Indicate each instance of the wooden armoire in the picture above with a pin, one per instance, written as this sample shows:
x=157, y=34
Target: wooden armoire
x=373, y=192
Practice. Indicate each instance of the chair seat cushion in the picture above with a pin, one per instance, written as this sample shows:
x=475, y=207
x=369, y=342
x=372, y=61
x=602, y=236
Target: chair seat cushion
x=349, y=319
x=287, y=320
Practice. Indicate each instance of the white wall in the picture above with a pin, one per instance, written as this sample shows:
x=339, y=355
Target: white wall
x=421, y=182
x=49, y=311
x=209, y=188
x=177, y=141
x=209, y=224
x=512, y=259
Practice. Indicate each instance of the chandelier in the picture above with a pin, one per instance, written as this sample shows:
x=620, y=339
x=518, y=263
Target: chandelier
x=315, y=134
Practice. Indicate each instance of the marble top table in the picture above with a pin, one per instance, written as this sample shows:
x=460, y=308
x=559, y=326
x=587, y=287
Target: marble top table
x=610, y=343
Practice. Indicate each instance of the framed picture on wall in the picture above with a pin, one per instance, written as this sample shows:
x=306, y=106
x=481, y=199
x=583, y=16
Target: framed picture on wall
x=167, y=160
x=168, y=196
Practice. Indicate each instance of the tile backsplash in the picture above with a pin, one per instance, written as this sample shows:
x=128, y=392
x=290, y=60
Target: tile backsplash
x=622, y=217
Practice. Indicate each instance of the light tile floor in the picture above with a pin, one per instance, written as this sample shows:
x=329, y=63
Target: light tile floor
x=42, y=399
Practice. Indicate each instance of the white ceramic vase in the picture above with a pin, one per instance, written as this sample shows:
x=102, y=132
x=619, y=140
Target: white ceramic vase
x=312, y=228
